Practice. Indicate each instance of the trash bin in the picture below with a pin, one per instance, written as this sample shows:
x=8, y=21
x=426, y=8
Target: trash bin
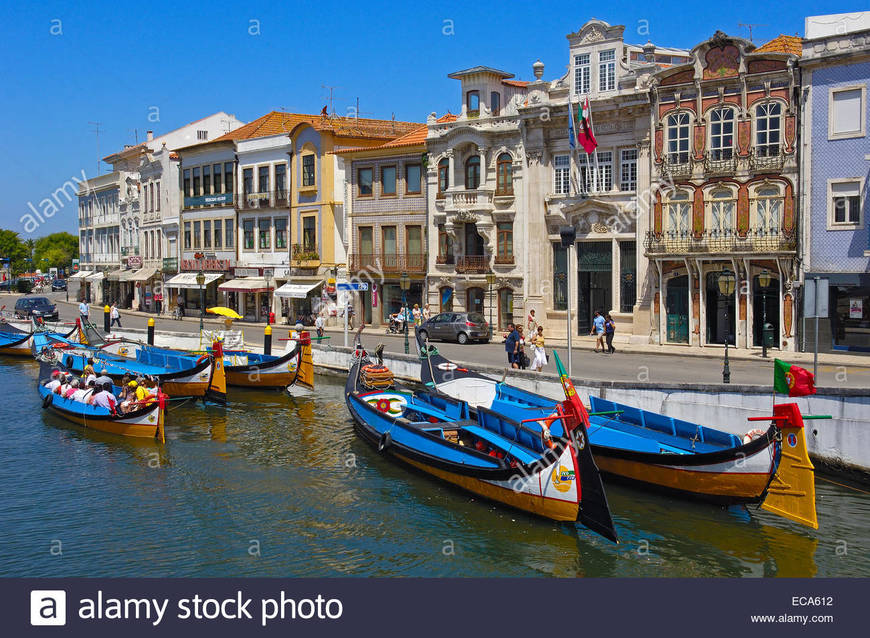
x=767, y=334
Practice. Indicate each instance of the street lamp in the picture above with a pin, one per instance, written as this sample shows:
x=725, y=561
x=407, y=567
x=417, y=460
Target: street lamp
x=764, y=282
x=726, y=288
x=200, y=281
x=490, y=280
x=267, y=275
x=568, y=236
x=405, y=282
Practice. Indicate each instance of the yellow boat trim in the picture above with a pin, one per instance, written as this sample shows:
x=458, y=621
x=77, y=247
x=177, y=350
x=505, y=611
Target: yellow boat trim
x=144, y=431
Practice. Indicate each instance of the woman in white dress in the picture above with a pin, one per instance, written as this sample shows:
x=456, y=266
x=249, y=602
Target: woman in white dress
x=540, y=359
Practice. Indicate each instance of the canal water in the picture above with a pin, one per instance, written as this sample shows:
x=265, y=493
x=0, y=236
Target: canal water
x=277, y=486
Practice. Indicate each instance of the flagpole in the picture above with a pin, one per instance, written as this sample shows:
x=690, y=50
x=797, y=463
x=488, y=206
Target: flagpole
x=592, y=128
x=572, y=145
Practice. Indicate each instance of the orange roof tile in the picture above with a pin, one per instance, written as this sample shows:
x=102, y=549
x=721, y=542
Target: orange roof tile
x=417, y=137
x=519, y=83
x=278, y=122
x=447, y=117
x=782, y=44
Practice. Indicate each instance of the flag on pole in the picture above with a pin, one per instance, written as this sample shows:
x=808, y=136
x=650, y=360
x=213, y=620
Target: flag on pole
x=572, y=140
x=792, y=380
x=585, y=135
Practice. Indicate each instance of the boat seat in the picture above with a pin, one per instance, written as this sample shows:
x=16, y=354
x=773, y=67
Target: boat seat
x=519, y=412
x=661, y=439
x=516, y=451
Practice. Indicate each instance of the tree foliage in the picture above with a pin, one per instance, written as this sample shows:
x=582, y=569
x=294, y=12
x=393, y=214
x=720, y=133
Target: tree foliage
x=58, y=249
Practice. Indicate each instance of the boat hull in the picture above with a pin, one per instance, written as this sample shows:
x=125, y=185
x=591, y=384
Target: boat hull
x=146, y=423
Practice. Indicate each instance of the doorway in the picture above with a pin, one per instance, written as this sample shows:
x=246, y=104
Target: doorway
x=473, y=241
x=764, y=298
x=594, y=282
x=677, y=309
x=719, y=307
x=474, y=300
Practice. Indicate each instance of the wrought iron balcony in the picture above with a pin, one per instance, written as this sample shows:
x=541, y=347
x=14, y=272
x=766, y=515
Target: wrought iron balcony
x=472, y=264
x=504, y=260
x=754, y=240
x=719, y=163
x=766, y=158
x=267, y=199
x=445, y=259
x=674, y=165
x=388, y=263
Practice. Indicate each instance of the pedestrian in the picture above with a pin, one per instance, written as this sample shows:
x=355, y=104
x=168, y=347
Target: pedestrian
x=348, y=311
x=598, y=330
x=522, y=358
x=115, y=315
x=158, y=302
x=609, y=330
x=83, y=311
x=532, y=323
x=180, y=306
x=511, y=344
x=540, y=350
x=417, y=315
x=426, y=313
x=318, y=325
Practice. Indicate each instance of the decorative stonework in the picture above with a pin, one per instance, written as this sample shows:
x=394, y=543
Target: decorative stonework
x=698, y=141
x=789, y=133
x=743, y=210
x=721, y=62
x=765, y=66
x=679, y=78
x=744, y=131
x=598, y=227
x=659, y=142
x=593, y=35
x=698, y=213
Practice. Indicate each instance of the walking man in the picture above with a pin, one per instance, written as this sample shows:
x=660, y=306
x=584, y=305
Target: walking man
x=609, y=330
x=83, y=311
x=115, y=315
x=598, y=330
x=511, y=345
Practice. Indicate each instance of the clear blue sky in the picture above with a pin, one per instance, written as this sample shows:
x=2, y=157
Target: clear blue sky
x=114, y=60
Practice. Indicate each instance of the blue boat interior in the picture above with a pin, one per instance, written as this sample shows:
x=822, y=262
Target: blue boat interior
x=165, y=359
x=77, y=406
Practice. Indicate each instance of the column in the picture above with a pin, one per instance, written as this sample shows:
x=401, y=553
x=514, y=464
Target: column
x=483, y=170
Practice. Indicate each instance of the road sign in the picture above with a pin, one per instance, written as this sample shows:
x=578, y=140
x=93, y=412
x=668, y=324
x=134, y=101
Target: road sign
x=352, y=285
x=816, y=298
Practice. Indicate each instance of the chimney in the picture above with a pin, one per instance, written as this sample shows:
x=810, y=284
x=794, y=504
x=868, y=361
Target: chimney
x=149, y=136
x=538, y=70
x=649, y=51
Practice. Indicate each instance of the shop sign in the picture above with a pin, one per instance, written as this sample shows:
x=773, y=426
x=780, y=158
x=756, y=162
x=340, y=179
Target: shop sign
x=134, y=261
x=246, y=272
x=207, y=265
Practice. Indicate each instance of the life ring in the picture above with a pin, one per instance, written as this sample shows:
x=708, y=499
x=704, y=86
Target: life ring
x=47, y=401
x=752, y=434
x=385, y=441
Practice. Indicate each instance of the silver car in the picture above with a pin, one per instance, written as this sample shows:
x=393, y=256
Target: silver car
x=461, y=327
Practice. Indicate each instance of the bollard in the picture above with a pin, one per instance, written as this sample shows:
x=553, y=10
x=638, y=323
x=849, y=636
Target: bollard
x=150, y=332
x=106, y=321
x=267, y=340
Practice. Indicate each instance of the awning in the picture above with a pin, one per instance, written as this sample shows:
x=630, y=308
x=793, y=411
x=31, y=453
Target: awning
x=143, y=274
x=115, y=275
x=245, y=284
x=188, y=280
x=128, y=275
x=97, y=276
x=296, y=291
x=80, y=274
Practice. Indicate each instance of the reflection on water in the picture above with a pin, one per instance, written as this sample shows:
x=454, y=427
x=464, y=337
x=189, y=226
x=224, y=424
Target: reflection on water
x=273, y=485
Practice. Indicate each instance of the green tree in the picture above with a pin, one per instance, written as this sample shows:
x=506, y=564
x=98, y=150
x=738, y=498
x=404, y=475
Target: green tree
x=13, y=249
x=59, y=249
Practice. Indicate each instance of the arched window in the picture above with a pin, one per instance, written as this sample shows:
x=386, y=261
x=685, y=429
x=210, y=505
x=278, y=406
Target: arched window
x=767, y=129
x=445, y=298
x=474, y=300
x=678, y=214
x=767, y=215
x=721, y=133
x=678, y=138
x=472, y=101
x=472, y=172
x=721, y=218
x=443, y=176
x=504, y=175
x=505, y=308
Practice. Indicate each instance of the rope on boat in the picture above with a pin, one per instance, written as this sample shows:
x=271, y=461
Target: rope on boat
x=376, y=377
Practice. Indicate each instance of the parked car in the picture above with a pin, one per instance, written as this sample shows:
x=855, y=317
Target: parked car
x=40, y=307
x=58, y=284
x=461, y=327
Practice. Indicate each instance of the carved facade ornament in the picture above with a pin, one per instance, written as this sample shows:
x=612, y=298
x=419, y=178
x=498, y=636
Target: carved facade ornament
x=465, y=216
x=598, y=227
x=507, y=282
x=593, y=35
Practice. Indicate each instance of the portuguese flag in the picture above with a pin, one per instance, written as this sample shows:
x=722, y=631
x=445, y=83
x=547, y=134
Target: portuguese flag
x=584, y=134
x=792, y=380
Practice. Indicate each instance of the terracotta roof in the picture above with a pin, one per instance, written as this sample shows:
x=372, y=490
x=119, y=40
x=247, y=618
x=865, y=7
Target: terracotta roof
x=782, y=44
x=417, y=137
x=447, y=117
x=278, y=122
x=520, y=83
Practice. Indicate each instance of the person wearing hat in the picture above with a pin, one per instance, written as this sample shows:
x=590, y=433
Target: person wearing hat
x=54, y=383
x=128, y=396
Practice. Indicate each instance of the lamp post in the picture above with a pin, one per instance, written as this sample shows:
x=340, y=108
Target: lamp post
x=568, y=235
x=764, y=282
x=405, y=282
x=726, y=288
x=490, y=281
x=267, y=275
x=200, y=281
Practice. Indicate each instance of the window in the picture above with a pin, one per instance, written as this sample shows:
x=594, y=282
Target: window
x=678, y=138
x=768, y=210
x=445, y=246
x=229, y=182
x=202, y=135
x=366, y=241
x=846, y=112
x=388, y=244
x=158, y=197
x=560, y=277
x=472, y=101
x=767, y=128
x=216, y=175
x=263, y=179
x=504, y=175
x=228, y=234
x=506, y=308
x=472, y=172
x=677, y=210
x=414, y=240
x=206, y=233
x=581, y=74
x=206, y=179
x=413, y=173
x=628, y=169
x=280, y=233
x=845, y=204
x=308, y=170
x=562, y=170
x=721, y=133
x=495, y=102
x=281, y=180
x=197, y=235
x=445, y=298
x=388, y=180
x=721, y=213
x=218, y=234
x=364, y=182
x=607, y=70
x=627, y=278
x=248, y=234
x=247, y=181
x=443, y=176
x=309, y=233
x=265, y=233
x=187, y=244
x=196, y=191
x=505, y=247
x=605, y=171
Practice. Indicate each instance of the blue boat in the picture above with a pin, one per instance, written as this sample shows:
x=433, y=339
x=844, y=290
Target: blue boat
x=489, y=454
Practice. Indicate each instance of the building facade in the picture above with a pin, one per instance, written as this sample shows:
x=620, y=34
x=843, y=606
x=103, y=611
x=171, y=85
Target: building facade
x=725, y=166
x=835, y=69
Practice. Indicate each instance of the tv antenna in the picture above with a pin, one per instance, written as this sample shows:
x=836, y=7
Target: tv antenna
x=749, y=26
x=96, y=130
x=358, y=112
x=331, y=96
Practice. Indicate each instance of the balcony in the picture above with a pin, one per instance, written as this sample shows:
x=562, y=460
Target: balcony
x=472, y=264
x=766, y=159
x=268, y=199
x=676, y=168
x=127, y=251
x=388, y=263
x=504, y=260
x=715, y=163
x=302, y=257
x=755, y=240
x=442, y=260
x=467, y=200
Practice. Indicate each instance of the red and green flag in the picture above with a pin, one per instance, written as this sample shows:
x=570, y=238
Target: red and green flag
x=584, y=134
x=792, y=380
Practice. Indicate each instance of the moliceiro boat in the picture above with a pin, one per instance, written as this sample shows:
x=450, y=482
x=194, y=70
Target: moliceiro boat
x=498, y=457
x=255, y=370
x=19, y=343
x=656, y=451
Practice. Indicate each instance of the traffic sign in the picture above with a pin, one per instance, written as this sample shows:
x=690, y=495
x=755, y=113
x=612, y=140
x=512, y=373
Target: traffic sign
x=352, y=285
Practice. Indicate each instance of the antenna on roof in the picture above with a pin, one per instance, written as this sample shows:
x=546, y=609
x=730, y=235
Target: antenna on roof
x=331, y=96
x=358, y=112
x=135, y=135
x=749, y=26
x=96, y=130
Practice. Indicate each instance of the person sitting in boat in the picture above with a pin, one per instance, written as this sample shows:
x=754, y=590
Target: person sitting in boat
x=128, y=396
x=104, y=397
x=74, y=384
x=84, y=391
x=65, y=378
x=88, y=374
x=54, y=383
